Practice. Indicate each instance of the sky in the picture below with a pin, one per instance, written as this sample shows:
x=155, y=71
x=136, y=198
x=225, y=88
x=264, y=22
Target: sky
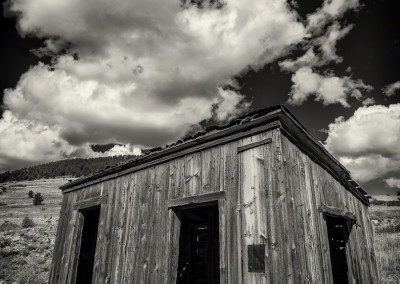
x=139, y=74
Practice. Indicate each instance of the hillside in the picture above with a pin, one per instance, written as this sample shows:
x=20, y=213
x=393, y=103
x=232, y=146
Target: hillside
x=70, y=167
x=25, y=251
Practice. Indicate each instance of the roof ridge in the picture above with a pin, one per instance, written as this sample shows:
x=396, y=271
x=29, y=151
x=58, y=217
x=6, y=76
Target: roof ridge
x=249, y=116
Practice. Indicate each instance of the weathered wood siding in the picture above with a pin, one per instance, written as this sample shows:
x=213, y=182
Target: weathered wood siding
x=307, y=187
x=138, y=235
x=282, y=191
x=273, y=195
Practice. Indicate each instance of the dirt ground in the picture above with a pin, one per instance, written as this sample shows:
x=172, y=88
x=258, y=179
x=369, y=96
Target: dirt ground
x=25, y=253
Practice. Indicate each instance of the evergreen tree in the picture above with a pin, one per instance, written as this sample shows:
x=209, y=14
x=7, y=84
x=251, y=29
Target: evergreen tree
x=38, y=199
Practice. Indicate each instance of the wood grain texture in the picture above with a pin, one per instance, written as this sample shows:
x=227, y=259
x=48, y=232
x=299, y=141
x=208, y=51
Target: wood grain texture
x=196, y=199
x=253, y=145
x=338, y=212
x=271, y=194
x=90, y=202
x=314, y=190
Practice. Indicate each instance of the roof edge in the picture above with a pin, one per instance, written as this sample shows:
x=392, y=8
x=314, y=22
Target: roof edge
x=351, y=184
x=249, y=121
x=241, y=124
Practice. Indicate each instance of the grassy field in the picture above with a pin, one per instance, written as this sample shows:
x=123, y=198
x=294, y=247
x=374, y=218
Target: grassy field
x=386, y=223
x=25, y=253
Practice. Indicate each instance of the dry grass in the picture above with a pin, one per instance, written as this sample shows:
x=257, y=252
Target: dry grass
x=25, y=253
x=386, y=223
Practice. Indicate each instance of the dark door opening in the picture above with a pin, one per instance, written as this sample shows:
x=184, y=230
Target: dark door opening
x=338, y=234
x=198, y=261
x=88, y=246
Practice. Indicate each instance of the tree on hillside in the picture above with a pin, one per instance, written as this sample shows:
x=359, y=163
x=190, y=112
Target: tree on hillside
x=71, y=167
x=37, y=198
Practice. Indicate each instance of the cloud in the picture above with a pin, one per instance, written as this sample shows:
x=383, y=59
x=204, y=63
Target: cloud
x=23, y=143
x=143, y=72
x=328, y=89
x=326, y=47
x=230, y=104
x=309, y=59
x=391, y=89
x=330, y=10
x=127, y=149
x=89, y=111
x=328, y=42
x=368, y=101
x=134, y=72
x=368, y=143
x=393, y=182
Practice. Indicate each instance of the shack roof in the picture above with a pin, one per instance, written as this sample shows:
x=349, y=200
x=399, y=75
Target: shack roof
x=274, y=116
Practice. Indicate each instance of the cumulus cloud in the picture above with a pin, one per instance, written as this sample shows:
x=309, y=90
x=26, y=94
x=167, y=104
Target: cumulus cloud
x=95, y=112
x=230, y=104
x=127, y=149
x=362, y=144
x=326, y=47
x=328, y=89
x=143, y=72
x=309, y=59
x=368, y=101
x=328, y=42
x=330, y=10
x=26, y=142
x=23, y=142
x=393, y=182
x=391, y=89
x=134, y=72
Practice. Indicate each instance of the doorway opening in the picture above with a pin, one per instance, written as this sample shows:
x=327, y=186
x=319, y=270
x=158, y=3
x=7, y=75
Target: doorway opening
x=338, y=234
x=88, y=245
x=198, y=261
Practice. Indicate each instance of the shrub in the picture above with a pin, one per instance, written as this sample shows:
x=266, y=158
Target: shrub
x=30, y=194
x=37, y=198
x=8, y=252
x=8, y=226
x=27, y=223
x=5, y=243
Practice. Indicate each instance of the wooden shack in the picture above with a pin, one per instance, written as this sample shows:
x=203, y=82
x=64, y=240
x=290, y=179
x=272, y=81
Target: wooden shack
x=258, y=200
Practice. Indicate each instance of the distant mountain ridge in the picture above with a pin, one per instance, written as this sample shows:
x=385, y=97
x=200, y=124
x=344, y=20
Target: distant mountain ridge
x=70, y=167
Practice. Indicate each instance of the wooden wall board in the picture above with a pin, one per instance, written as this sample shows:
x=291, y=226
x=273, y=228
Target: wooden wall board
x=272, y=196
